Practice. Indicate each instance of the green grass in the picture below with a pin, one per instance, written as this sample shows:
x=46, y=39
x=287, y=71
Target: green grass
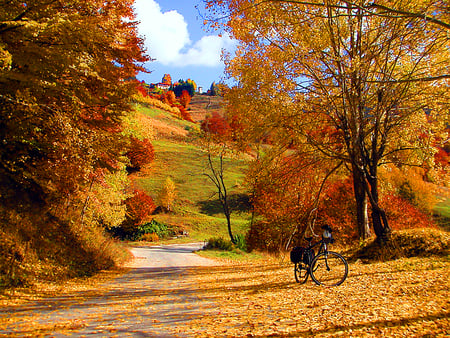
x=442, y=212
x=196, y=208
x=186, y=165
x=443, y=208
x=235, y=255
x=151, y=112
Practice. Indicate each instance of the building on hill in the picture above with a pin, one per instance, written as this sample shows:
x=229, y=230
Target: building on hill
x=163, y=86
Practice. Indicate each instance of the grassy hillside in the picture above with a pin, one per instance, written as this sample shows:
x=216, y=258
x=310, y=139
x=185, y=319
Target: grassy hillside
x=178, y=155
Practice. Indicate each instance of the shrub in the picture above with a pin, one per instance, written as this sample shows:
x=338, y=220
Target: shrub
x=267, y=236
x=219, y=243
x=240, y=242
x=338, y=210
x=407, y=243
x=139, y=207
x=154, y=227
x=402, y=214
x=140, y=153
x=216, y=124
x=150, y=237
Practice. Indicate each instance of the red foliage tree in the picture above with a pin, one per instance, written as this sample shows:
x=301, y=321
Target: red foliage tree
x=139, y=207
x=140, y=153
x=284, y=200
x=184, y=98
x=142, y=90
x=337, y=209
x=169, y=97
x=216, y=124
x=404, y=215
x=185, y=115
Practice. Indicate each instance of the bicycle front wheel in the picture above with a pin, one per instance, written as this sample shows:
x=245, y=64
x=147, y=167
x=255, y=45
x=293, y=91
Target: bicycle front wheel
x=329, y=269
x=301, y=273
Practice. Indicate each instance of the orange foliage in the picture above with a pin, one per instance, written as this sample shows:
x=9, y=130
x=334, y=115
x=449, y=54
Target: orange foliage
x=185, y=99
x=139, y=207
x=140, y=153
x=338, y=210
x=442, y=157
x=169, y=97
x=402, y=214
x=185, y=115
x=283, y=197
x=216, y=124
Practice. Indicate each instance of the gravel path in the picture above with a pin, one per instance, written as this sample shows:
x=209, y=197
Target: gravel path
x=149, y=301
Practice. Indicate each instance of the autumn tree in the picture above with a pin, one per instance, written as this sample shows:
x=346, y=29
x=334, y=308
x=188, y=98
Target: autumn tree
x=168, y=194
x=66, y=71
x=217, y=144
x=185, y=99
x=358, y=86
x=140, y=153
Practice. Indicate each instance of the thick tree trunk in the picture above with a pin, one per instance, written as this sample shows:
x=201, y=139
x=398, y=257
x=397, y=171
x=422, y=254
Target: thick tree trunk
x=379, y=219
x=362, y=218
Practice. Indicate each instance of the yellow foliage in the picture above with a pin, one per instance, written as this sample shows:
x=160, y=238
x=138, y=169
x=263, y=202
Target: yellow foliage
x=156, y=103
x=408, y=182
x=152, y=237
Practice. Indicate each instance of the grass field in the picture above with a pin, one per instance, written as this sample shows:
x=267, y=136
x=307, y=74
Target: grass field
x=179, y=156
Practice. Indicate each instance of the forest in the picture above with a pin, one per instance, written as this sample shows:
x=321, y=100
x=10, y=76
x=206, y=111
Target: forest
x=339, y=116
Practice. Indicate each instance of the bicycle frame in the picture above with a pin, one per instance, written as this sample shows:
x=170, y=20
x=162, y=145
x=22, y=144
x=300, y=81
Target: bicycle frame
x=323, y=246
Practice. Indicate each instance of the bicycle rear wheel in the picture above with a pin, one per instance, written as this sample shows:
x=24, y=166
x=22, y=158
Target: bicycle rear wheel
x=301, y=272
x=329, y=269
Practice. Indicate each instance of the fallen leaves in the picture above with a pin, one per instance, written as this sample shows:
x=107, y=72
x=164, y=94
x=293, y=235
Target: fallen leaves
x=407, y=297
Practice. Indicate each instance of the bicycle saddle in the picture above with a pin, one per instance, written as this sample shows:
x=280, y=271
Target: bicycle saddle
x=308, y=239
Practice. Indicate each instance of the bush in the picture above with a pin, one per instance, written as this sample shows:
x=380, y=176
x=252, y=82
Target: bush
x=219, y=243
x=153, y=237
x=268, y=236
x=407, y=243
x=154, y=227
x=139, y=207
x=241, y=242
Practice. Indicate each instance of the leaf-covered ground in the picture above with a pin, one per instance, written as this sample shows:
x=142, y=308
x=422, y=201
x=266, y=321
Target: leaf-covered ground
x=406, y=297
x=403, y=298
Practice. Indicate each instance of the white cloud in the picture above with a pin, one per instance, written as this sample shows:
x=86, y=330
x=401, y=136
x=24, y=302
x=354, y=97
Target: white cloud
x=167, y=38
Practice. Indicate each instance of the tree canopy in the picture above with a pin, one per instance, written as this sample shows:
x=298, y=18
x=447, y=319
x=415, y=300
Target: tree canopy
x=349, y=81
x=63, y=91
x=67, y=73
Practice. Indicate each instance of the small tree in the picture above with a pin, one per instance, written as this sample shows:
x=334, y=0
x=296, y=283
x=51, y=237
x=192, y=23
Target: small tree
x=216, y=176
x=185, y=99
x=140, y=153
x=217, y=134
x=139, y=207
x=168, y=194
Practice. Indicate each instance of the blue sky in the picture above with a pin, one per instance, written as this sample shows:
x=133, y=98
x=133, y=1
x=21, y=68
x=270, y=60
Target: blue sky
x=175, y=37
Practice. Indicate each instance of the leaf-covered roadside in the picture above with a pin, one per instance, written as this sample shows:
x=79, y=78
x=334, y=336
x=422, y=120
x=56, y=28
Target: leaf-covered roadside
x=407, y=297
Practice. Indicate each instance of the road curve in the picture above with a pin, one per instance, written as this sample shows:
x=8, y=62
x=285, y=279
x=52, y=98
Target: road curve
x=168, y=256
x=150, y=300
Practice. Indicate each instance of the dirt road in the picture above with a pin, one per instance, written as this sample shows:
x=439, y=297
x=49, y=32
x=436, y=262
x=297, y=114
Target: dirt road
x=148, y=301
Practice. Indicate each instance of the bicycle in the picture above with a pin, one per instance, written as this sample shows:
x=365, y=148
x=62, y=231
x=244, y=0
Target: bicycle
x=327, y=268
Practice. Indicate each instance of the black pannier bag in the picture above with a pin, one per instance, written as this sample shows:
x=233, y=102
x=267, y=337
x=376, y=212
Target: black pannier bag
x=297, y=254
x=308, y=256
